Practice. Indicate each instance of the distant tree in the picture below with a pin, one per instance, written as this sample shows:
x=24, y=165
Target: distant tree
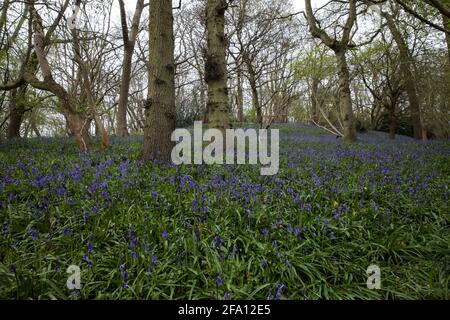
x=340, y=48
x=129, y=41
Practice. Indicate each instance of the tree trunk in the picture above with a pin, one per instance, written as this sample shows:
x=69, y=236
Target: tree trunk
x=129, y=44
x=255, y=94
x=122, y=128
x=345, y=98
x=392, y=122
x=16, y=111
x=35, y=128
x=160, y=106
x=240, y=97
x=315, y=99
x=79, y=129
x=216, y=67
x=406, y=67
x=446, y=25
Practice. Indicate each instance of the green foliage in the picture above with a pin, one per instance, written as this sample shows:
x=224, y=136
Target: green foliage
x=332, y=211
x=315, y=64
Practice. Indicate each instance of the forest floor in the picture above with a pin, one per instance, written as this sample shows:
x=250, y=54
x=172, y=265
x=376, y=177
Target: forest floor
x=225, y=232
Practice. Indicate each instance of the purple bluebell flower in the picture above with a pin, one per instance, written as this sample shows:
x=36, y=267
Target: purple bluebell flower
x=217, y=243
x=280, y=290
x=149, y=271
x=196, y=234
x=219, y=281
x=154, y=259
x=91, y=245
x=274, y=244
x=34, y=234
x=124, y=274
x=87, y=261
x=165, y=234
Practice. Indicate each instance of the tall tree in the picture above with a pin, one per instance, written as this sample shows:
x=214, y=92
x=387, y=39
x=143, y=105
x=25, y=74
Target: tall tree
x=407, y=67
x=160, y=106
x=129, y=41
x=76, y=121
x=216, y=65
x=340, y=48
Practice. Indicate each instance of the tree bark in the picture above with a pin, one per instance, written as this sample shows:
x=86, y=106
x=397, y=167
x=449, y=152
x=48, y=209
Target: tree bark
x=406, y=67
x=16, y=112
x=160, y=106
x=345, y=98
x=215, y=66
x=129, y=44
x=392, y=122
x=315, y=99
x=240, y=96
x=74, y=119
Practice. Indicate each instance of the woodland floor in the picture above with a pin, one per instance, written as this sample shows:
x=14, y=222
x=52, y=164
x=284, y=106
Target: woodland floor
x=225, y=232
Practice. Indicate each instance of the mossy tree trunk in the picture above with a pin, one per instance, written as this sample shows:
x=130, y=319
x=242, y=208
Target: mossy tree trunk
x=215, y=67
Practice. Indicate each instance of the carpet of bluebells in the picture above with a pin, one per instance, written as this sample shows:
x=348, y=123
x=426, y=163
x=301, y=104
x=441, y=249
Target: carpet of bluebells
x=225, y=232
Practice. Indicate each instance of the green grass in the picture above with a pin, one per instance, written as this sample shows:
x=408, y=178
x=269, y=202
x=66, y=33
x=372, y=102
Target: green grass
x=392, y=199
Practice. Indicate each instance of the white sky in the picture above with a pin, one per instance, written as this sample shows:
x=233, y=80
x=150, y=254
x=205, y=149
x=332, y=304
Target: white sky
x=298, y=4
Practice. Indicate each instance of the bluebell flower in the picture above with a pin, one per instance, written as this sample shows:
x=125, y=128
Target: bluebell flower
x=154, y=259
x=34, y=234
x=279, y=292
x=219, y=281
x=264, y=264
x=149, y=271
x=86, y=260
x=217, y=243
x=165, y=234
x=227, y=296
x=90, y=246
x=124, y=274
x=196, y=234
